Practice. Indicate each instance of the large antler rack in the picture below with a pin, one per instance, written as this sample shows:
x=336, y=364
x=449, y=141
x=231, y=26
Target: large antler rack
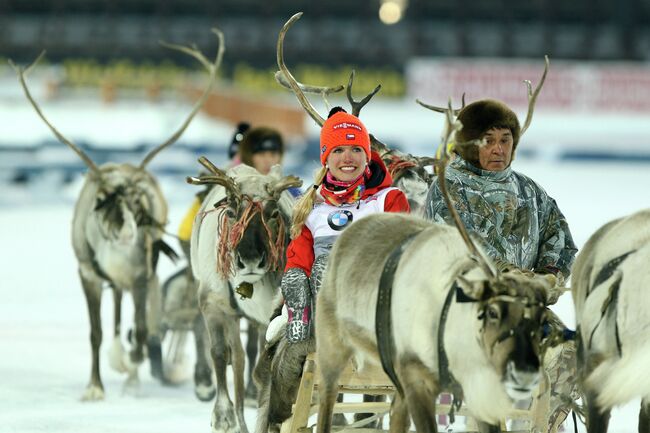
x=446, y=146
x=22, y=73
x=286, y=79
x=217, y=177
x=212, y=69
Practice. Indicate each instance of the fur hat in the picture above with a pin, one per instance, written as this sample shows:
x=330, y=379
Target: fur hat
x=480, y=116
x=260, y=139
x=342, y=129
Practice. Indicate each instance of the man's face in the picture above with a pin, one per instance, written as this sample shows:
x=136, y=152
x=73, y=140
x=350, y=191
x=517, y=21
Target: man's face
x=496, y=154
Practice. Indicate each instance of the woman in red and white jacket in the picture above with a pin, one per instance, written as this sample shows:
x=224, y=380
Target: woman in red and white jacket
x=352, y=184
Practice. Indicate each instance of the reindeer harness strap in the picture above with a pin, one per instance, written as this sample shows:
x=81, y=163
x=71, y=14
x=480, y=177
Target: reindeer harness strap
x=605, y=273
x=447, y=380
x=383, y=322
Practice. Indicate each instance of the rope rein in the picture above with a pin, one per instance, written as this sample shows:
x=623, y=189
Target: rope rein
x=230, y=235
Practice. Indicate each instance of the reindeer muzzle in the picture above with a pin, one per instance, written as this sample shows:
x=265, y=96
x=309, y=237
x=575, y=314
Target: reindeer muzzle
x=519, y=383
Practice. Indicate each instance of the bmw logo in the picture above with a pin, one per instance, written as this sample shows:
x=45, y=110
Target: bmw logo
x=339, y=219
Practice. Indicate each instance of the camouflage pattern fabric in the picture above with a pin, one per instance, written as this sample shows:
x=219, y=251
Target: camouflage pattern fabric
x=518, y=222
x=561, y=365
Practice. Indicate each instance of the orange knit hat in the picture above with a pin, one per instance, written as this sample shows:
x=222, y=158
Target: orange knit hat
x=342, y=129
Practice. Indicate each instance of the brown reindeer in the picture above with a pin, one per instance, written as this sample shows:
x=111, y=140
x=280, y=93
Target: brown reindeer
x=117, y=230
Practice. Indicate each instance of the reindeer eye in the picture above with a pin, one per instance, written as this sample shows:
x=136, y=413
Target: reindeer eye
x=493, y=312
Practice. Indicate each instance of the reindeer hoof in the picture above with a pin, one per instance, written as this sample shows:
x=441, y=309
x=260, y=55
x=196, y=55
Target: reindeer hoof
x=116, y=356
x=176, y=373
x=205, y=392
x=224, y=420
x=93, y=393
x=132, y=385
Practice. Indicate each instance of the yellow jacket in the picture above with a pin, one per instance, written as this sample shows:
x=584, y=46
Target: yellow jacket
x=185, y=229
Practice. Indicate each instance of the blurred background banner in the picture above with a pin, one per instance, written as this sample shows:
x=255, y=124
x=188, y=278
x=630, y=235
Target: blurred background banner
x=571, y=86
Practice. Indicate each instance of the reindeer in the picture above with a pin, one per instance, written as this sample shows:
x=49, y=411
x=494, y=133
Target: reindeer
x=117, y=230
x=238, y=244
x=438, y=317
x=609, y=283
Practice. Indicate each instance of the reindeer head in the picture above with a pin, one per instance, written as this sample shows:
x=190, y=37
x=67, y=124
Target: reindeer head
x=253, y=220
x=123, y=203
x=510, y=319
x=410, y=175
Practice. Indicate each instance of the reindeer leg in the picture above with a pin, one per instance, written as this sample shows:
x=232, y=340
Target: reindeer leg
x=203, y=385
x=92, y=286
x=136, y=356
x=154, y=320
x=399, y=415
x=420, y=391
x=252, y=347
x=597, y=418
x=116, y=353
x=223, y=414
x=232, y=331
x=644, y=416
x=332, y=357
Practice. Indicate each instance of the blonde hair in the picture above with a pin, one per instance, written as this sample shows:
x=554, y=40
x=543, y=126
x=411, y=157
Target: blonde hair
x=305, y=204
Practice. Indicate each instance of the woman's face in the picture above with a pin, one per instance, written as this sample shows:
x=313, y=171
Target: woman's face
x=263, y=161
x=346, y=163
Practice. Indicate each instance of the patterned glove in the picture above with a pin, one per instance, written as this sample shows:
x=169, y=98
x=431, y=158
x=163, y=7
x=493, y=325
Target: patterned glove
x=297, y=296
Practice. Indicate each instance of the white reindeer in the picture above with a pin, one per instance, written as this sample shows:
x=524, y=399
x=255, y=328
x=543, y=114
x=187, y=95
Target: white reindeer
x=238, y=241
x=117, y=230
x=610, y=281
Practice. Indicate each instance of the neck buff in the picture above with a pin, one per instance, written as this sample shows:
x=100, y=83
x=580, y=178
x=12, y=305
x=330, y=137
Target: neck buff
x=336, y=192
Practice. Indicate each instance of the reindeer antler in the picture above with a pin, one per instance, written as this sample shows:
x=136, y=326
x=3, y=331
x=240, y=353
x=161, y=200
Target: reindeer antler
x=218, y=177
x=321, y=90
x=212, y=69
x=443, y=109
x=358, y=105
x=21, y=76
x=450, y=129
x=285, y=183
x=532, y=96
x=295, y=87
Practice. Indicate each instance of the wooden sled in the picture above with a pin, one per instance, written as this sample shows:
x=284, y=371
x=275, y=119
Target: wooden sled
x=372, y=381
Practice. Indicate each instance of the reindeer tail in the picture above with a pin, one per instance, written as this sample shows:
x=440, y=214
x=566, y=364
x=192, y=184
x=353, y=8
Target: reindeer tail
x=619, y=380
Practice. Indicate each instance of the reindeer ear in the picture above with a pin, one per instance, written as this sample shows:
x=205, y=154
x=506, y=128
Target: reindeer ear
x=468, y=290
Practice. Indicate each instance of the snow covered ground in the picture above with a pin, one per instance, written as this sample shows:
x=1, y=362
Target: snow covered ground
x=44, y=331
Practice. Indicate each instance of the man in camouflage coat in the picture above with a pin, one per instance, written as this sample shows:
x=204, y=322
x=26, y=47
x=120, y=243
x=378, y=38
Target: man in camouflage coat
x=521, y=225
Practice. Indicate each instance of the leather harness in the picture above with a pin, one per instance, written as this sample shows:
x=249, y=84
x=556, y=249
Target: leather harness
x=384, y=329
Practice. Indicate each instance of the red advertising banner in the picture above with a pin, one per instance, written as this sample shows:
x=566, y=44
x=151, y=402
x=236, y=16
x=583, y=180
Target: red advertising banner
x=571, y=86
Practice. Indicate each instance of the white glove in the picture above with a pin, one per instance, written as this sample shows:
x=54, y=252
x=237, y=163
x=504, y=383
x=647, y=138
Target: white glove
x=276, y=328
